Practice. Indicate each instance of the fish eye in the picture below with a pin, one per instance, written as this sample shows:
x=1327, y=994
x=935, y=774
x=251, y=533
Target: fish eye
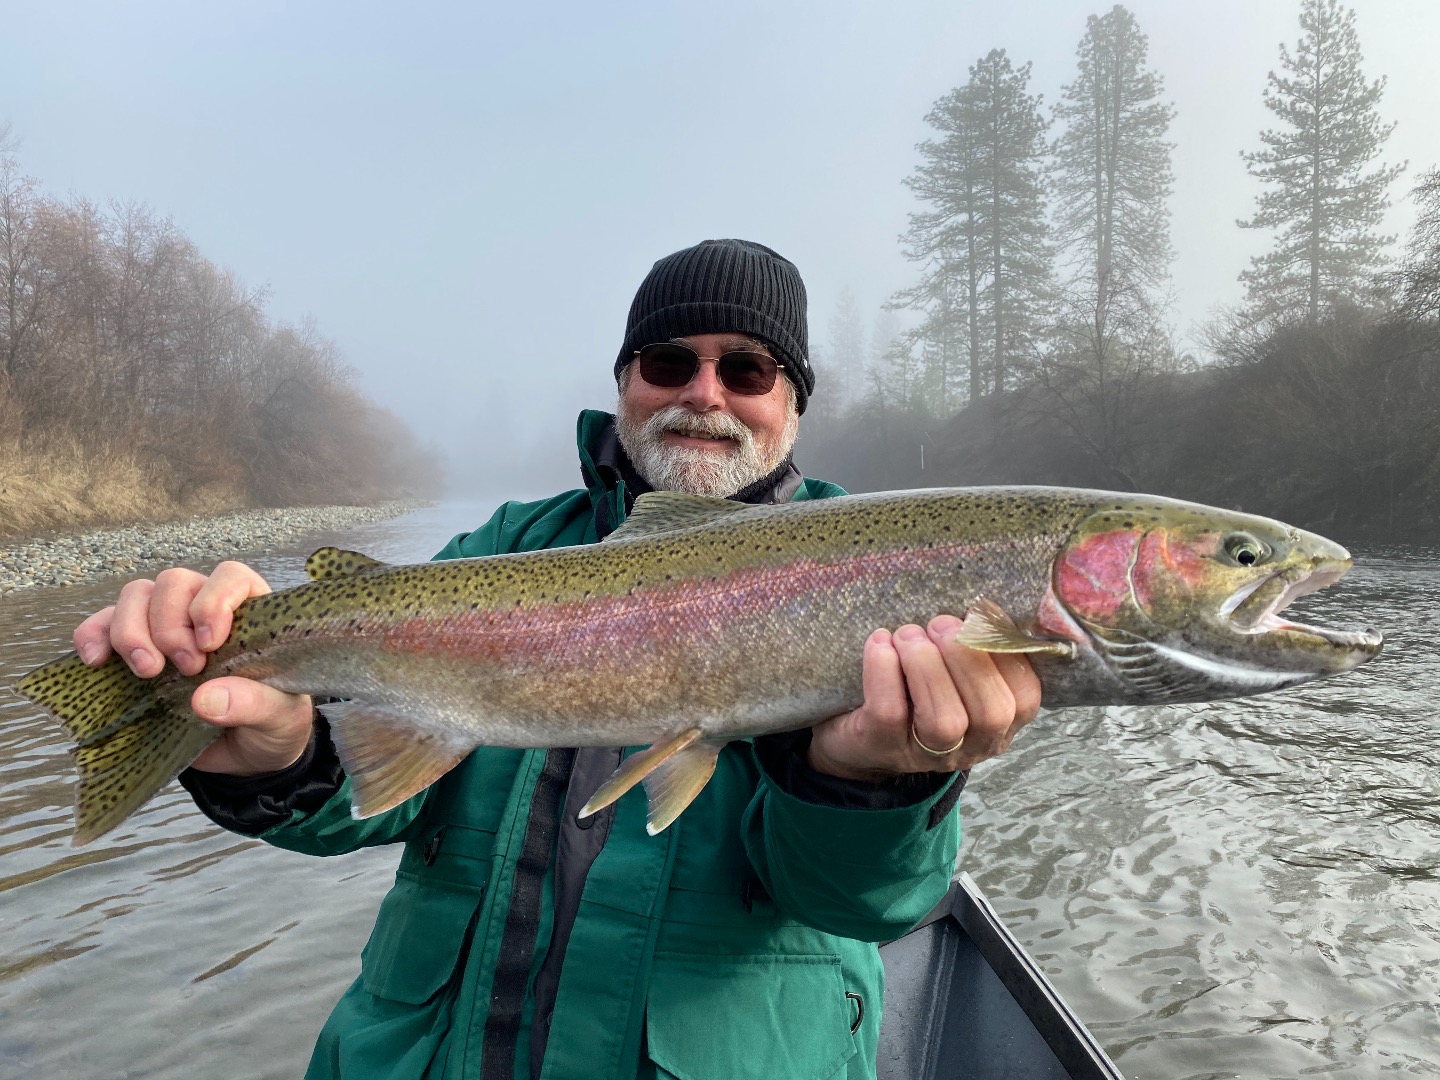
x=1245, y=550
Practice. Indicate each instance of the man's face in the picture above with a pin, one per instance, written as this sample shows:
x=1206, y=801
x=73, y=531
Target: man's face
x=701, y=438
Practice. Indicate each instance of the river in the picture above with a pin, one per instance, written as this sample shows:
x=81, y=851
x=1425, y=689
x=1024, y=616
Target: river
x=1249, y=889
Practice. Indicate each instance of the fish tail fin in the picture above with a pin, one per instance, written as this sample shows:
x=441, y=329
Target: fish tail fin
x=129, y=741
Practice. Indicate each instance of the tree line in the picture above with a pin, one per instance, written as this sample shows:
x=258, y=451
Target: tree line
x=124, y=352
x=1039, y=348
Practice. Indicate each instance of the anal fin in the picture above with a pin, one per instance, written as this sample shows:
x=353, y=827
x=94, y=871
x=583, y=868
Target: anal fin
x=388, y=757
x=637, y=767
x=989, y=628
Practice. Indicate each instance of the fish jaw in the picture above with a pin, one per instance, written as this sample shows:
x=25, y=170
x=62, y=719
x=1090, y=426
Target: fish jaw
x=1181, y=602
x=1256, y=612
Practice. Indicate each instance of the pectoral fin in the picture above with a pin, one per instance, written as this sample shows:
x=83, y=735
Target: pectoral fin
x=388, y=757
x=639, y=766
x=989, y=628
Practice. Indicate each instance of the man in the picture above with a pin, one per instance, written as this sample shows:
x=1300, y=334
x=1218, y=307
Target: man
x=522, y=941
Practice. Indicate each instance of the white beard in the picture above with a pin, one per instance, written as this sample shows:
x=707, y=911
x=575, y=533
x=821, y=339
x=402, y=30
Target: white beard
x=737, y=461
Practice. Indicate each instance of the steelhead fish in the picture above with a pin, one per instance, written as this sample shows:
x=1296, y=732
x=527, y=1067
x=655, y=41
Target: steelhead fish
x=700, y=621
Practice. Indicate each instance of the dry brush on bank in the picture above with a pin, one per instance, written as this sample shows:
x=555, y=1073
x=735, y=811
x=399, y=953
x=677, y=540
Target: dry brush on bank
x=140, y=381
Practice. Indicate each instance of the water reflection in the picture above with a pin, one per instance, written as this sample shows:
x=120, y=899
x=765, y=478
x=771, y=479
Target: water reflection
x=1245, y=889
x=168, y=943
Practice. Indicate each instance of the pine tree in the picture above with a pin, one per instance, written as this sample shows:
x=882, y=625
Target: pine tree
x=1419, y=275
x=983, y=241
x=884, y=332
x=847, y=349
x=1320, y=199
x=1113, y=181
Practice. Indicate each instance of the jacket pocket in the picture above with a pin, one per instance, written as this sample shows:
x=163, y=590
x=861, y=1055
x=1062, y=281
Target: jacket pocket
x=714, y=1017
x=420, y=934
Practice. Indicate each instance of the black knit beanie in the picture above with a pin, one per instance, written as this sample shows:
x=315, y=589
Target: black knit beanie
x=725, y=286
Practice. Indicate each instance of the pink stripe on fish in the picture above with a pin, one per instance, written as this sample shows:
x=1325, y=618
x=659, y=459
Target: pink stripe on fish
x=653, y=610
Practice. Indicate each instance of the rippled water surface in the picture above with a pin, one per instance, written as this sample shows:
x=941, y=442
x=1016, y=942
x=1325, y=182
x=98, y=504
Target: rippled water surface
x=1241, y=890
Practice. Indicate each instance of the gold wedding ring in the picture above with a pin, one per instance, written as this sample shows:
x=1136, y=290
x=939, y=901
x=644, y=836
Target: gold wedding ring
x=934, y=753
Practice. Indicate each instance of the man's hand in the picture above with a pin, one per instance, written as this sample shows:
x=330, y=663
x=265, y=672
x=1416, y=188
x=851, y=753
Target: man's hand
x=922, y=686
x=182, y=615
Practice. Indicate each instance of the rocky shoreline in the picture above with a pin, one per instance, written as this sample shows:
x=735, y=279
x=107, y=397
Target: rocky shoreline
x=100, y=553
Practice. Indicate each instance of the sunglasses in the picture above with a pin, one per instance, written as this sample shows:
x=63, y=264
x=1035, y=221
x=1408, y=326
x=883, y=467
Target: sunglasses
x=672, y=366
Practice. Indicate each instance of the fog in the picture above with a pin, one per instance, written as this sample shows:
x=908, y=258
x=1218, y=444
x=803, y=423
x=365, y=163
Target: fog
x=465, y=200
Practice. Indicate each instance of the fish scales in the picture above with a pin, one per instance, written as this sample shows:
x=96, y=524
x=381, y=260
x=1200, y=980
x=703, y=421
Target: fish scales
x=627, y=645
x=702, y=620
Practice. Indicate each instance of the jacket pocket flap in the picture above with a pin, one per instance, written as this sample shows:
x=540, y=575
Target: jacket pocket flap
x=748, y=1017
x=419, y=936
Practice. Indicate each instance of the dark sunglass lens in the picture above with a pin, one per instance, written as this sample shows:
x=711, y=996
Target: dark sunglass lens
x=747, y=372
x=667, y=365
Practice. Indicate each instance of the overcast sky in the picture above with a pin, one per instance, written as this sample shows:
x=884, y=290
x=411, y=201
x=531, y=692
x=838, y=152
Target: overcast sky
x=465, y=196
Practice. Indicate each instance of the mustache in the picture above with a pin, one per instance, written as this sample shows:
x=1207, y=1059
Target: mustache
x=682, y=421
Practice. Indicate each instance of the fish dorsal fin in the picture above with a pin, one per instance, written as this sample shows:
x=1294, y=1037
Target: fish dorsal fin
x=332, y=562
x=665, y=511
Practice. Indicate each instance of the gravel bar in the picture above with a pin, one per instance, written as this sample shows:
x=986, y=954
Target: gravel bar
x=101, y=553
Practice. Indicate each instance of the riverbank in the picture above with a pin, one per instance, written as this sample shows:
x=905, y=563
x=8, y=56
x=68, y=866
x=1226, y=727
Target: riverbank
x=67, y=559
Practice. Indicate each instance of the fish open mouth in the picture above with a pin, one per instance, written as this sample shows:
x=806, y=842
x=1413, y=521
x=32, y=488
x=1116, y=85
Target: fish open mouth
x=1256, y=608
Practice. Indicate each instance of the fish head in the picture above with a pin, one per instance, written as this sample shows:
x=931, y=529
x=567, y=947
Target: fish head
x=1184, y=602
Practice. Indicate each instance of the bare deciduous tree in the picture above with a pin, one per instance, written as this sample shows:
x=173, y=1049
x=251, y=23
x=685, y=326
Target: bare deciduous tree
x=117, y=337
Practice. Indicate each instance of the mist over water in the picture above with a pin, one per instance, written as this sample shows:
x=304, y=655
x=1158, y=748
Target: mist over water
x=1249, y=889
x=475, y=263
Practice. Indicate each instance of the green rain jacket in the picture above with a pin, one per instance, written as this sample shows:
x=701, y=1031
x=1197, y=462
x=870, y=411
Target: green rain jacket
x=738, y=943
